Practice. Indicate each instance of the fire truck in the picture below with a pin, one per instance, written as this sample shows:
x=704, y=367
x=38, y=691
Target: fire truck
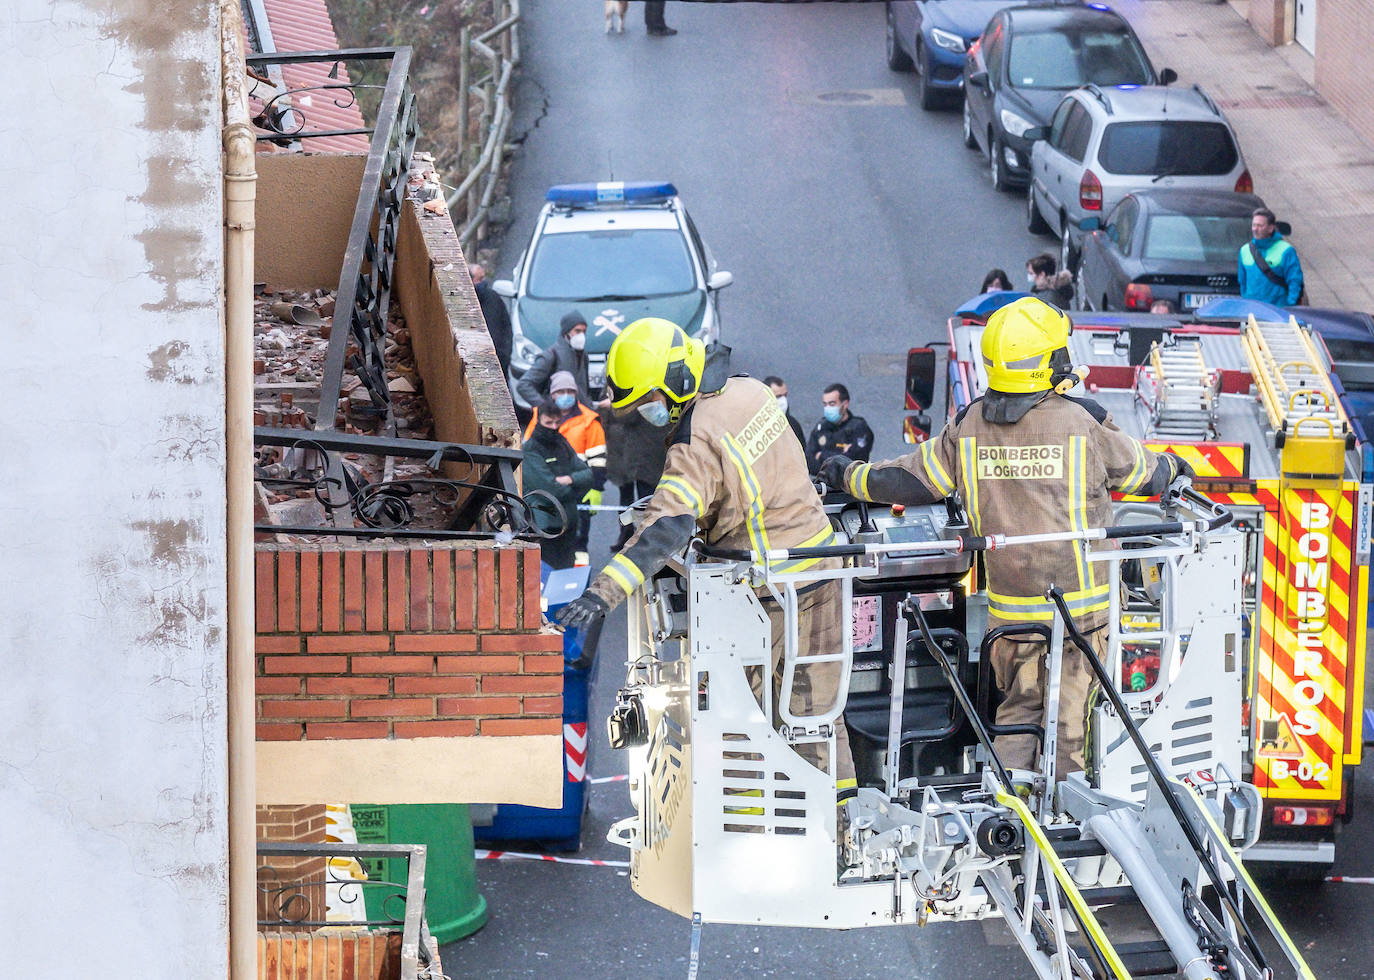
x=1254, y=407
x=738, y=818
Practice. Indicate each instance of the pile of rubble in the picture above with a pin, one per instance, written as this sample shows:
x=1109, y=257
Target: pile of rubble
x=290, y=340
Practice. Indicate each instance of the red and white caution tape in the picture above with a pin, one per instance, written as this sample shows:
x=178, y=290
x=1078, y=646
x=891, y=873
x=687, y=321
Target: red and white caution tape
x=609, y=779
x=520, y=856
x=1348, y=880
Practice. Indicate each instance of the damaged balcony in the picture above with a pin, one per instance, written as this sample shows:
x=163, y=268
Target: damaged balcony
x=402, y=655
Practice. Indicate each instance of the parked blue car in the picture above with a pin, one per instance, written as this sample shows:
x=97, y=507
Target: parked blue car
x=933, y=37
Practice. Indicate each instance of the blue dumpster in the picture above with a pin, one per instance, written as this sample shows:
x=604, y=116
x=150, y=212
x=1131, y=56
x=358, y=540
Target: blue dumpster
x=559, y=829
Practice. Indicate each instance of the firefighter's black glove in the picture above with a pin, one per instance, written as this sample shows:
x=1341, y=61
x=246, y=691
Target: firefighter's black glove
x=1181, y=475
x=832, y=471
x=582, y=611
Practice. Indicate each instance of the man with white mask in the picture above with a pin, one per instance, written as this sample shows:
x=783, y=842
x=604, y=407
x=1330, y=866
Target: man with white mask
x=568, y=353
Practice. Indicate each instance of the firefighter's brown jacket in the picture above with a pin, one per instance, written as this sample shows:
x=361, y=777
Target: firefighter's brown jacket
x=735, y=471
x=1053, y=470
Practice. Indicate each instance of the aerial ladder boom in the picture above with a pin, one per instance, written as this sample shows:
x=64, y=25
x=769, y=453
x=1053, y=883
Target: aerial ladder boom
x=733, y=825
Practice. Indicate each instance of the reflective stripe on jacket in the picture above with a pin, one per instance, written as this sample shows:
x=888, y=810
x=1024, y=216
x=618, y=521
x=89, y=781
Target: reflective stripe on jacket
x=735, y=473
x=1054, y=470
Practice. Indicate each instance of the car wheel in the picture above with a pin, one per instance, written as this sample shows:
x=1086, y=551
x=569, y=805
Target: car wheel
x=1068, y=255
x=931, y=98
x=996, y=168
x=1035, y=224
x=970, y=140
x=897, y=59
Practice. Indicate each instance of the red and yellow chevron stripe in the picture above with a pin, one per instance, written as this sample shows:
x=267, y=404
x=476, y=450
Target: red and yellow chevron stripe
x=1306, y=633
x=1223, y=460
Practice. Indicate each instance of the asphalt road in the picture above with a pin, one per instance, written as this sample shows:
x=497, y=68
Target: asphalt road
x=853, y=223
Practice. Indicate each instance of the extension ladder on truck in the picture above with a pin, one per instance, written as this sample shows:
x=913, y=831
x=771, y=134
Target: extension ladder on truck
x=1293, y=382
x=1184, y=403
x=733, y=825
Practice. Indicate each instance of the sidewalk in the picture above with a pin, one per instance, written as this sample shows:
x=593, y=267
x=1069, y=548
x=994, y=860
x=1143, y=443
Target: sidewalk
x=1310, y=167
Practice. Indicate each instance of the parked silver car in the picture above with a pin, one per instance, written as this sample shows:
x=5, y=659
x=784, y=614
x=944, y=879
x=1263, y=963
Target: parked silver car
x=1104, y=143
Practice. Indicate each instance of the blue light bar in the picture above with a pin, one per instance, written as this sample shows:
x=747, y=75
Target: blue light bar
x=610, y=192
x=1128, y=87
x=985, y=304
x=1099, y=6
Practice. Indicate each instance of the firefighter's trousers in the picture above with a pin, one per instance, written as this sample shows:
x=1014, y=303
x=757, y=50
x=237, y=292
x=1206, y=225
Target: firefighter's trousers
x=1022, y=675
x=820, y=621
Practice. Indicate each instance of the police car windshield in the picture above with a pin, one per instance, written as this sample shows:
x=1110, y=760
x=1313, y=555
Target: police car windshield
x=1068, y=59
x=588, y=264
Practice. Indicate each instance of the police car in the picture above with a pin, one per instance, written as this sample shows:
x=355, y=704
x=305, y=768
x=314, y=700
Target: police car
x=614, y=252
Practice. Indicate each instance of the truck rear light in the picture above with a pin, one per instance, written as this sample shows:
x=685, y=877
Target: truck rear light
x=1090, y=192
x=1244, y=185
x=1304, y=816
x=1138, y=296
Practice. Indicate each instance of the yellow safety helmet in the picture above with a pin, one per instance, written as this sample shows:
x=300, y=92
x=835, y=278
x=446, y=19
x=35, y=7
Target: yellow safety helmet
x=1025, y=347
x=654, y=354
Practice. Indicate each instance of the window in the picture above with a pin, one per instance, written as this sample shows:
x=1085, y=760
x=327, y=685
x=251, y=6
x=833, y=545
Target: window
x=1123, y=224
x=1077, y=131
x=992, y=51
x=1057, y=124
x=1064, y=59
x=1195, y=238
x=588, y=264
x=1167, y=148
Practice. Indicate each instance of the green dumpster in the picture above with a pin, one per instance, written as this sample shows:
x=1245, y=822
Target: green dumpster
x=453, y=907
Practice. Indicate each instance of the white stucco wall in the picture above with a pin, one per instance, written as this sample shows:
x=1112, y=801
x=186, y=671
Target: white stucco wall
x=112, y=569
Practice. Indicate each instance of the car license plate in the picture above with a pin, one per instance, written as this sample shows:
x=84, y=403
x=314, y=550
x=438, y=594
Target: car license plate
x=1193, y=300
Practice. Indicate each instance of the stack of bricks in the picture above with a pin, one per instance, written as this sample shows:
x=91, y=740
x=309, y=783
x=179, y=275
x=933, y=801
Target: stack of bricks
x=368, y=641
x=291, y=889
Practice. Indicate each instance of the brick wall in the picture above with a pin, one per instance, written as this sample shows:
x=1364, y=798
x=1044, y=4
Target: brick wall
x=1344, y=72
x=1273, y=20
x=388, y=642
x=336, y=955
x=291, y=887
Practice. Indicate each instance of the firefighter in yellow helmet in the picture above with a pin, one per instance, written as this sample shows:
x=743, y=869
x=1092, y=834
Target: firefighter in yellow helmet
x=736, y=475
x=1025, y=458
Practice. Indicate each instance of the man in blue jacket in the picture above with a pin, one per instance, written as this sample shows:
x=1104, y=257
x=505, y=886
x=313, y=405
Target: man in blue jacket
x=1269, y=266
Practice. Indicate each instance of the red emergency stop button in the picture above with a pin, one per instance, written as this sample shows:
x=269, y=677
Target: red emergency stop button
x=898, y=510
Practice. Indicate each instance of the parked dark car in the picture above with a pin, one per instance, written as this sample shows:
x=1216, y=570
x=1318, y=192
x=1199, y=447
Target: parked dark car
x=933, y=37
x=1027, y=58
x=1178, y=245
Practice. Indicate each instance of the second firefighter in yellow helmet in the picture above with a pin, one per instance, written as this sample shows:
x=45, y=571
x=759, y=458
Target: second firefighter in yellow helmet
x=1026, y=459
x=653, y=357
x=1025, y=355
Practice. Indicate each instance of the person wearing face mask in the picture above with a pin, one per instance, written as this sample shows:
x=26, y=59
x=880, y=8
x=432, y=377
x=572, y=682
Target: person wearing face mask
x=1025, y=458
x=568, y=353
x=581, y=426
x=734, y=475
x=1055, y=288
x=552, y=466
x=779, y=387
x=838, y=433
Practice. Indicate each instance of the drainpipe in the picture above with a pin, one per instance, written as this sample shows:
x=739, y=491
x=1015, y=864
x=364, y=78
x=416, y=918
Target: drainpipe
x=240, y=187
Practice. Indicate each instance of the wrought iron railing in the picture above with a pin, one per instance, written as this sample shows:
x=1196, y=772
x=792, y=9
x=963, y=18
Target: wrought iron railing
x=479, y=502
x=292, y=901
x=365, y=280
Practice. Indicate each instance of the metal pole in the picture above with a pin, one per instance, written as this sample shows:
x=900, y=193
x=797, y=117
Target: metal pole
x=464, y=70
x=240, y=185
